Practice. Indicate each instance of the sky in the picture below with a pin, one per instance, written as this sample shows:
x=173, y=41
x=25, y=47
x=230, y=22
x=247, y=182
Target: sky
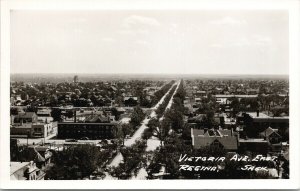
x=150, y=41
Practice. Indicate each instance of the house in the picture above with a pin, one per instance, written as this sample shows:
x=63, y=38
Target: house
x=33, y=130
x=44, y=115
x=44, y=129
x=35, y=169
x=271, y=135
x=21, y=130
x=273, y=138
x=120, y=110
x=220, y=138
x=27, y=117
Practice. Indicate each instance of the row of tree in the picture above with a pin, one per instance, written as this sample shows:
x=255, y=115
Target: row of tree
x=161, y=92
x=79, y=161
x=133, y=159
x=162, y=107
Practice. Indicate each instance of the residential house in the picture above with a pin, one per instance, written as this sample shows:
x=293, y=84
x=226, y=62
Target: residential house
x=220, y=138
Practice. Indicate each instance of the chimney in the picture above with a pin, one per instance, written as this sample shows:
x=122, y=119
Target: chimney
x=257, y=113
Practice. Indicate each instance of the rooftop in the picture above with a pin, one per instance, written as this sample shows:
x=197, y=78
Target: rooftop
x=208, y=137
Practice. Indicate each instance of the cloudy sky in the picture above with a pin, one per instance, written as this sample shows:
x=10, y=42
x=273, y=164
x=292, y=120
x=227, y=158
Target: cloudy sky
x=184, y=42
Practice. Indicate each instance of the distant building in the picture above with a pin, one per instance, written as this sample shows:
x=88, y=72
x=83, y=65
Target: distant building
x=271, y=135
x=44, y=115
x=220, y=138
x=130, y=101
x=200, y=93
x=257, y=122
x=258, y=145
x=274, y=139
x=92, y=130
x=224, y=99
x=33, y=130
x=27, y=117
x=27, y=125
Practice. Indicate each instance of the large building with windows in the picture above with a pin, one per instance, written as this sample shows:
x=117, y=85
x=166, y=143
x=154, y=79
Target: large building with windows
x=257, y=122
x=86, y=129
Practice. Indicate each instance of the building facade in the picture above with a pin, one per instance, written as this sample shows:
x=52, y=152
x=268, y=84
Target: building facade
x=89, y=130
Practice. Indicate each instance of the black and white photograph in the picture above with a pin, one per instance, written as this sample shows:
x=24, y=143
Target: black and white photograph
x=149, y=93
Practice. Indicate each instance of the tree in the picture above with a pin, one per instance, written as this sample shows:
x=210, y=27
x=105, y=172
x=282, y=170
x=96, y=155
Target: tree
x=14, y=111
x=75, y=162
x=115, y=112
x=175, y=116
x=56, y=114
x=137, y=117
x=70, y=113
x=235, y=105
x=123, y=130
x=133, y=158
x=161, y=131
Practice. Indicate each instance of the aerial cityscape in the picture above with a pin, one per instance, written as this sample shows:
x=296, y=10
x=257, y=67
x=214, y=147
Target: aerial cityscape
x=195, y=128
x=149, y=94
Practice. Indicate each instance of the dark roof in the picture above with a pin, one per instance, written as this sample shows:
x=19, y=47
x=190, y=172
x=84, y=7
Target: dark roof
x=268, y=132
x=229, y=143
